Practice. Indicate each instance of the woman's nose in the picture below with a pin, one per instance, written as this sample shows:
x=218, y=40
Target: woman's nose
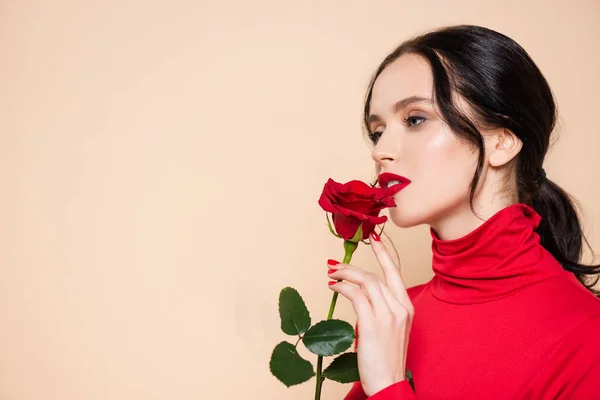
x=382, y=155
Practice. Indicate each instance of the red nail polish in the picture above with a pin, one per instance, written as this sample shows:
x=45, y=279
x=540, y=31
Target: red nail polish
x=331, y=271
x=375, y=236
x=332, y=262
x=331, y=283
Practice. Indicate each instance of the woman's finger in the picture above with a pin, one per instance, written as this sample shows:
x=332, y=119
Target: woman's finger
x=359, y=301
x=400, y=312
x=391, y=272
x=367, y=281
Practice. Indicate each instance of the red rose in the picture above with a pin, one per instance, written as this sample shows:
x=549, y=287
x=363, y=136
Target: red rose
x=355, y=203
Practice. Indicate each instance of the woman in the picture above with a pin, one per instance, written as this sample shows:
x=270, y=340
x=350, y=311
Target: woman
x=464, y=115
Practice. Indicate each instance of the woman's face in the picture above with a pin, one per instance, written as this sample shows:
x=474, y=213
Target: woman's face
x=414, y=142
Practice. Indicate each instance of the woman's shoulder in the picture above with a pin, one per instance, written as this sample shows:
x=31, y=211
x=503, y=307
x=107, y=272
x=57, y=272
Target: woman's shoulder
x=570, y=292
x=573, y=370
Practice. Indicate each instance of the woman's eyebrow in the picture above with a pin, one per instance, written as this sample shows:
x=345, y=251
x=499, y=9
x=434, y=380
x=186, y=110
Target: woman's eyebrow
x=401, y=104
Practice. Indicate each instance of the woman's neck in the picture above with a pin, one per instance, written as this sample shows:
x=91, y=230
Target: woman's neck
x=461, y=220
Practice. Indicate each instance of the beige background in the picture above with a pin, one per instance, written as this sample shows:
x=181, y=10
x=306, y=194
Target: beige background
x=160, y=165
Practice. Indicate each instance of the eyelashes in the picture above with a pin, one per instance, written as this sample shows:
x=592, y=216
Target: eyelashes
x=375, y=136
x=411, y=122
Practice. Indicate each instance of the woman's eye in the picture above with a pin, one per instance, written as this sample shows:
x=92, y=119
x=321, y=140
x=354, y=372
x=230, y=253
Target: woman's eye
x=375, y=136
x=413, y=120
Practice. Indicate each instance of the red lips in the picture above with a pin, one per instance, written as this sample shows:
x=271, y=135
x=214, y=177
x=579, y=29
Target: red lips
x=387, y=177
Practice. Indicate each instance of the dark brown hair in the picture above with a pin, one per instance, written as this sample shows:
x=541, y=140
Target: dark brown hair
x=505, y=89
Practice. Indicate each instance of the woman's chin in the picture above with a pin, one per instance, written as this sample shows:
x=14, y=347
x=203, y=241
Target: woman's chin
x=403, y=219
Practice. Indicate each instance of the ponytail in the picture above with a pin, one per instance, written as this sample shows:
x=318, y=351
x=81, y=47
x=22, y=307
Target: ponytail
x=561, y=233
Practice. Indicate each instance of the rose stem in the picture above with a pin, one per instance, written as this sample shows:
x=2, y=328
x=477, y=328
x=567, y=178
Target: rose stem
x=349, y=248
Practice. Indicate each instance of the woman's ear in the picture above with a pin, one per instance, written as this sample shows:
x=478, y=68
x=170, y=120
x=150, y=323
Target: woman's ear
x=505, y=146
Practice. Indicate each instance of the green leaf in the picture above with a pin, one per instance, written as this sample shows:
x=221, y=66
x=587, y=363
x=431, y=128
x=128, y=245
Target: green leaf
x=330, y=337
x=287, y=365
x=358, y=235
x=331, y=227
x=343, y=369
x=295, y=319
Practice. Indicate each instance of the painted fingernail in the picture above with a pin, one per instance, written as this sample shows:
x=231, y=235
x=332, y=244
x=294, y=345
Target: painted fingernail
x=375, y=236
x=331, y=283
x=331, y=271
x=332, y=262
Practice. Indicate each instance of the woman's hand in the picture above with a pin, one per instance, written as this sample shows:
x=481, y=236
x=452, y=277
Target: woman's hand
x=384, y=316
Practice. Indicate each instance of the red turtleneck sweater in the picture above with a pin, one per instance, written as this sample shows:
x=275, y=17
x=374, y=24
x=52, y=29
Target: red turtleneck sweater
x=500, y=319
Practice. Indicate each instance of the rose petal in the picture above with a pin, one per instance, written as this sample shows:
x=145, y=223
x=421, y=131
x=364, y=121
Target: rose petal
x=354, y=203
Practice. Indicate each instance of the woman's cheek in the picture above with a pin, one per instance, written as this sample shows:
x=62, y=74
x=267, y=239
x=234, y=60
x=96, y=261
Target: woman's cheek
x=412, y=206
x=439, y=185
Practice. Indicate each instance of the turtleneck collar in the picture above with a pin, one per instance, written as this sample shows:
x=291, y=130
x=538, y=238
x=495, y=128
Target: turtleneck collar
x=501, y=256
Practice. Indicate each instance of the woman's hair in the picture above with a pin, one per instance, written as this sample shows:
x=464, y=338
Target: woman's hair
x=504, y=89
